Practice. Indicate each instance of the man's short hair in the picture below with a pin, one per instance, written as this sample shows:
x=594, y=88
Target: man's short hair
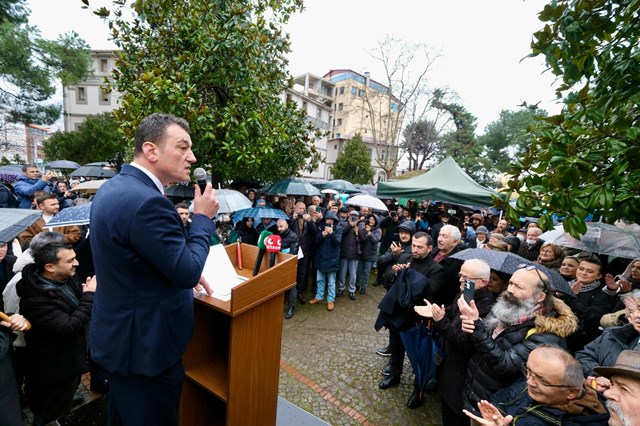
x=182, y=206
x=573, y=376
x=421, y=234
x=43, y=238
x=455, y=232
x=28, y=166
x=48, y=254
x=45, y=196
x=153, y=128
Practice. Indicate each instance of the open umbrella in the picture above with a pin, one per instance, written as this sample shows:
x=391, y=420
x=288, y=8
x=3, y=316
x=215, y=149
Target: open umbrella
x=63, y=164
x=602, y=238
x=180, y=190
x=508, y=263
x=89, y=187
x=10, y=172
x=99, y=163
x=259, y=213
x=93, y=171
x=367, y=201
x=76, y=215
x=293, y=186
x=14, y=221
x=231, y=201
x=329, y=191
x=343, y=186
x=425, y=349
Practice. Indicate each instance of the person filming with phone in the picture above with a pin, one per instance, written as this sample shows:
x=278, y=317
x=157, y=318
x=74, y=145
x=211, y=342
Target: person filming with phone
x=474, y=279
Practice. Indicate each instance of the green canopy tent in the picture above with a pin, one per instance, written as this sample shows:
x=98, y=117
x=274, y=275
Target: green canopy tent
x=446, y=182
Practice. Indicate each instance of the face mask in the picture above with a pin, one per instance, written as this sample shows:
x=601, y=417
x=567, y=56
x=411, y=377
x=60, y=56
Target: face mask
x=531, y=242
x=520, y=237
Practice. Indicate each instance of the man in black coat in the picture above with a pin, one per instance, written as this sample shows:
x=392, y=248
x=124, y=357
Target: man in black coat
x=420, y=261
x=457, y=346
x=59, y=311
x=6, y=265
x=448, y=240
x=290, y=244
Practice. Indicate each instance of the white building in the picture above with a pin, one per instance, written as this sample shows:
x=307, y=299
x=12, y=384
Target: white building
x=90, y=97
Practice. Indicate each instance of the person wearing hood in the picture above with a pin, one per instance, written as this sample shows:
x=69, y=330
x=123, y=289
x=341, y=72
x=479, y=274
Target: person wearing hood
x=369, y=235
x=481, y=238
x=59, y=310
x=400, y=245
x=327, y=259
x=29, y=183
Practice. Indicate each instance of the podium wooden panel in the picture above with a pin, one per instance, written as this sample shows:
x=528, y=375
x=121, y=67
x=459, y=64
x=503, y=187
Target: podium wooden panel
x=233, y=361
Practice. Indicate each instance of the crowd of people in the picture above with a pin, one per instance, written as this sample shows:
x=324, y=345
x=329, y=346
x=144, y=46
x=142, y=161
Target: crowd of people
x=518, y=351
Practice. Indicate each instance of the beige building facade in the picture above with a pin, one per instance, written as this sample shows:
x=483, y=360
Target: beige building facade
x=90, y=96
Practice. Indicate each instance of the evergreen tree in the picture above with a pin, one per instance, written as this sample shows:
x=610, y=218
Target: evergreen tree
x=354, y=162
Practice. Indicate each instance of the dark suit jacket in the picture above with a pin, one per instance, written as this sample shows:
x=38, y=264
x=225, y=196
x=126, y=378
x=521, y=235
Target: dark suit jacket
x=146, y=267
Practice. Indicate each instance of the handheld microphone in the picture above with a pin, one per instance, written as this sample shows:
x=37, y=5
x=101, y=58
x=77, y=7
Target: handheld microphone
x=200, y=176
x=273, y=243
x=263, y=248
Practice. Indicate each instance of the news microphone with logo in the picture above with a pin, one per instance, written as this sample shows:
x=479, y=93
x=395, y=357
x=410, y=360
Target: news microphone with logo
x=262, y=248
x=274, y=244
x=200, y=176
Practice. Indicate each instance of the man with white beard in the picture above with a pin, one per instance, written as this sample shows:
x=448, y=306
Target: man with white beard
x=525, y=315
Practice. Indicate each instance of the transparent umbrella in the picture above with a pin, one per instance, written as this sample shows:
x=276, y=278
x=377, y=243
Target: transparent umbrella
x=600, y=238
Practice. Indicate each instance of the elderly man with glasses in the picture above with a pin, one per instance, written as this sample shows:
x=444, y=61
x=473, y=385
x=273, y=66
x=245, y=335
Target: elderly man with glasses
x=525, y=316
x=552, y=391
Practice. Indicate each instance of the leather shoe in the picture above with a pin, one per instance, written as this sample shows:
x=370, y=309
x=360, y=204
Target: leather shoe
x=329, y=306
x=340, y=293
x=301, y=299
x=290, y=312
x=386, y=371
x=389, y=381
x=352, y=295
x=414, y=400
x=386, y=351
x=314, y=301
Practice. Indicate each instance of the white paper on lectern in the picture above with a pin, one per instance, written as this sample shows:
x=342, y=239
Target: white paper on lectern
x=220, y=273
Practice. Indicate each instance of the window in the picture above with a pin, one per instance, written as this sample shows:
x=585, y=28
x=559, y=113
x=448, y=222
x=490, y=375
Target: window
x=337, y=135
x=104, y=65
x=342, y=90
x=340, y=107
x=353, y=90
x=335, y=147
x=81, y=95
x=105, y=97
x=318, y=112
x=339, y=121
x=360, y=92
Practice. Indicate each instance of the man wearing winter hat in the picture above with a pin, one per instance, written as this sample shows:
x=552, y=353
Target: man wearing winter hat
x=480, y=239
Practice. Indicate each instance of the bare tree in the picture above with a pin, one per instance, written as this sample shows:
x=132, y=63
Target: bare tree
x=406, y=68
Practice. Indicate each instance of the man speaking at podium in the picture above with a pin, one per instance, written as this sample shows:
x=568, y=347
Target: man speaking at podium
x=142, y=318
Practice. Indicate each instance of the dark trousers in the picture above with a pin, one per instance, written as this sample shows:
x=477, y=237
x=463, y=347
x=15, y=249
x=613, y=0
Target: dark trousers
x=48, y=401
x=301, y=275
x=397, y=351
x=140, y=400
x=11, y=415
x=453, y=418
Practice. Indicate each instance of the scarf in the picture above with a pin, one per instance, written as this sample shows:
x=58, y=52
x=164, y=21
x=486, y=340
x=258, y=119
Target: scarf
x=66, y=290
x=587, y=287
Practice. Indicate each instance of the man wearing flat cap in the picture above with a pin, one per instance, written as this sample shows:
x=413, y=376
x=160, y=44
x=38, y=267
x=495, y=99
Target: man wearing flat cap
x=623, y=397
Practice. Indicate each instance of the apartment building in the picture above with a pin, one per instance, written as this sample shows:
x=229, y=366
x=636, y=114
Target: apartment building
x=90, y=97
x=364, y=106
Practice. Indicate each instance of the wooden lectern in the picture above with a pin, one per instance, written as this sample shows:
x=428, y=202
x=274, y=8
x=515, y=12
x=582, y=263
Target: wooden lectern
x=232, y=364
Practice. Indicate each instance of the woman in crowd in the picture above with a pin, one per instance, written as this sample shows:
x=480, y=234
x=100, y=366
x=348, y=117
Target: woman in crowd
x=569, y=267
x=550, y=256
x=369, y=236
x=245, y=230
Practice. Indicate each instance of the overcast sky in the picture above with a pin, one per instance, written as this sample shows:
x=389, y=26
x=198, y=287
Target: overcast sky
x=481, y=43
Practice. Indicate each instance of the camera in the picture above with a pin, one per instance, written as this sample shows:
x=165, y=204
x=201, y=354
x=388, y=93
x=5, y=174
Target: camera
x=393, y=214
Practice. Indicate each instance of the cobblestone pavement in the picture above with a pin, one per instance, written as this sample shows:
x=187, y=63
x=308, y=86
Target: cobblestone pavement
x=329, y=366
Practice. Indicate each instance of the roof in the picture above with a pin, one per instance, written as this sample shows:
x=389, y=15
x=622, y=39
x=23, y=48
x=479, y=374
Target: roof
x=445, y=182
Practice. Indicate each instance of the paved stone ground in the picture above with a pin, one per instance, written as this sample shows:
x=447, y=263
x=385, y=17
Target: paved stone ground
x=329, y=366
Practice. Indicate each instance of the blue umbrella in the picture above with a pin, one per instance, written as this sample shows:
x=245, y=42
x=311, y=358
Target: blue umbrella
x=508, y=263
x=259, y=213
x=425, y=349
x=76, y=215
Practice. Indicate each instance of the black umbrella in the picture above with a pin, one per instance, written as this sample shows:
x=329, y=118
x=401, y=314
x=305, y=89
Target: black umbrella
x=508, y=263
x=14, y=221
x=63, y=164
x=93, y=172
x=180, y=190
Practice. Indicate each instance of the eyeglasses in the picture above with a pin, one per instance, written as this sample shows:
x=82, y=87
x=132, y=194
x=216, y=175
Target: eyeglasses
x=545, y=283
x=530, y=375
x=461, y=275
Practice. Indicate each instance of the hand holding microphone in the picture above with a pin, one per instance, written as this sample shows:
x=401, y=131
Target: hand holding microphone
x=205, y=201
